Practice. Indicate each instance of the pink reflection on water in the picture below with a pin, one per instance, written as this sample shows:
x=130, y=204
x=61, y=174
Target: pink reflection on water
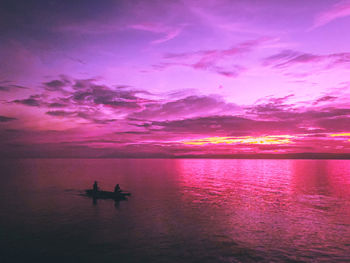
x=295, y=209
x=318, y=177
x=274, y=204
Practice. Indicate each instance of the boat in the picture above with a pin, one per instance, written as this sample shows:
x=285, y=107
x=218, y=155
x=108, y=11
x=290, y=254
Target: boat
x=107, y=195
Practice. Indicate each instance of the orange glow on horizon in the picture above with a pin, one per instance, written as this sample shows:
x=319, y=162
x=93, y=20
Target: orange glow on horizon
x=345, y=134
x=278, y=139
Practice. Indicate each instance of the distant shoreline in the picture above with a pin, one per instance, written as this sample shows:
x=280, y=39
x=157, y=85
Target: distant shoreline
x=290, y=156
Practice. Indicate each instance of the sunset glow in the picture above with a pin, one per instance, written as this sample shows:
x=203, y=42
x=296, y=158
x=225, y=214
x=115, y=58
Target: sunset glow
x=341, y=134
x=174, y=78
x=281, y=139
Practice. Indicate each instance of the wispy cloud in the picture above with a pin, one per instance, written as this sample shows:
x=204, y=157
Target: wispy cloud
x=190, y=106
x=167, y=32
x=8, y=87
x=220, y=61
x=292, y=61
x=339, y=10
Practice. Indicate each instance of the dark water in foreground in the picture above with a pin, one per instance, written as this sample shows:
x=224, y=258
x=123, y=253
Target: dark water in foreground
x=180, y=211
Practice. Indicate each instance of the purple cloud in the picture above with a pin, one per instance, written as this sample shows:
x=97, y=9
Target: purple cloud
x=168, y=32
x=339, y=10
x=326, y=98
x=33, y=101
x=119, y=97
x=186, y=107
x=61, y=113
x=288, y=58
x=83, y=98
x=94, y=117
x=56, y=105
x=7, y=87
x=214, y=60
x=4, y=88
x=283, y=111
x=337, y=124
x=222, y=125
x=6, y=119
x=57, y=84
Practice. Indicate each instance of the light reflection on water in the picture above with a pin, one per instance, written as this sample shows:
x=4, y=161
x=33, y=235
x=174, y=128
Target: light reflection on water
x=180, y=211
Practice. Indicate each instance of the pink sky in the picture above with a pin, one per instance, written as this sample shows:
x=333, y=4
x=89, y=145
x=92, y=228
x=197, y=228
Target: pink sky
x=174, y=78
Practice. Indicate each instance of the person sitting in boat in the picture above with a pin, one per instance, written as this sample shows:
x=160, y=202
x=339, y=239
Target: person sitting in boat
x=95, y=187
x=117, y=189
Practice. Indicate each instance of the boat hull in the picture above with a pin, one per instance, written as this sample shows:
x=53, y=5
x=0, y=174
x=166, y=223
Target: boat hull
x=107, y=195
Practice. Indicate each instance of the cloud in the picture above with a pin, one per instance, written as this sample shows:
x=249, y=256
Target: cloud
x=225, y=125
x=168, y=32
x=143, y=125
x=215, y=60
x=337, y=124
x=326, y=98
x=56, y=84
x=84, y=98
x=339, y=10
x=61, y=113
x=271, y=108
x=32, y=101
x=168, y=36
x=290, y=58
x=6, y=119
x=134, y=132
x=92, y=116
x=217, y=54
x=279, y=109
x=89, y=93
x=4, y=87
x=56, y=105
x=189, y=106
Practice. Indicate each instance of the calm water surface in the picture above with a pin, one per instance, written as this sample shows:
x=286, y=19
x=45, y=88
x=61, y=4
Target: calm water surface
x=180, y=211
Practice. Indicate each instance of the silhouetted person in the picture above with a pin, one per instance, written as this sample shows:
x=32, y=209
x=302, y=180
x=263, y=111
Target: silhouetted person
x=117, y=189
x=95, y=187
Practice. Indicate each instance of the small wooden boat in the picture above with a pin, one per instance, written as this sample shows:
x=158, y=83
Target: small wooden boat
x=107, y=195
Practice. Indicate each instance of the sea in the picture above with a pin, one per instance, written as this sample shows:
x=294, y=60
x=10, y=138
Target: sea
x=180, y=210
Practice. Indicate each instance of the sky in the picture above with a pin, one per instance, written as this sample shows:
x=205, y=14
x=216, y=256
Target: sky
x=126, y=78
